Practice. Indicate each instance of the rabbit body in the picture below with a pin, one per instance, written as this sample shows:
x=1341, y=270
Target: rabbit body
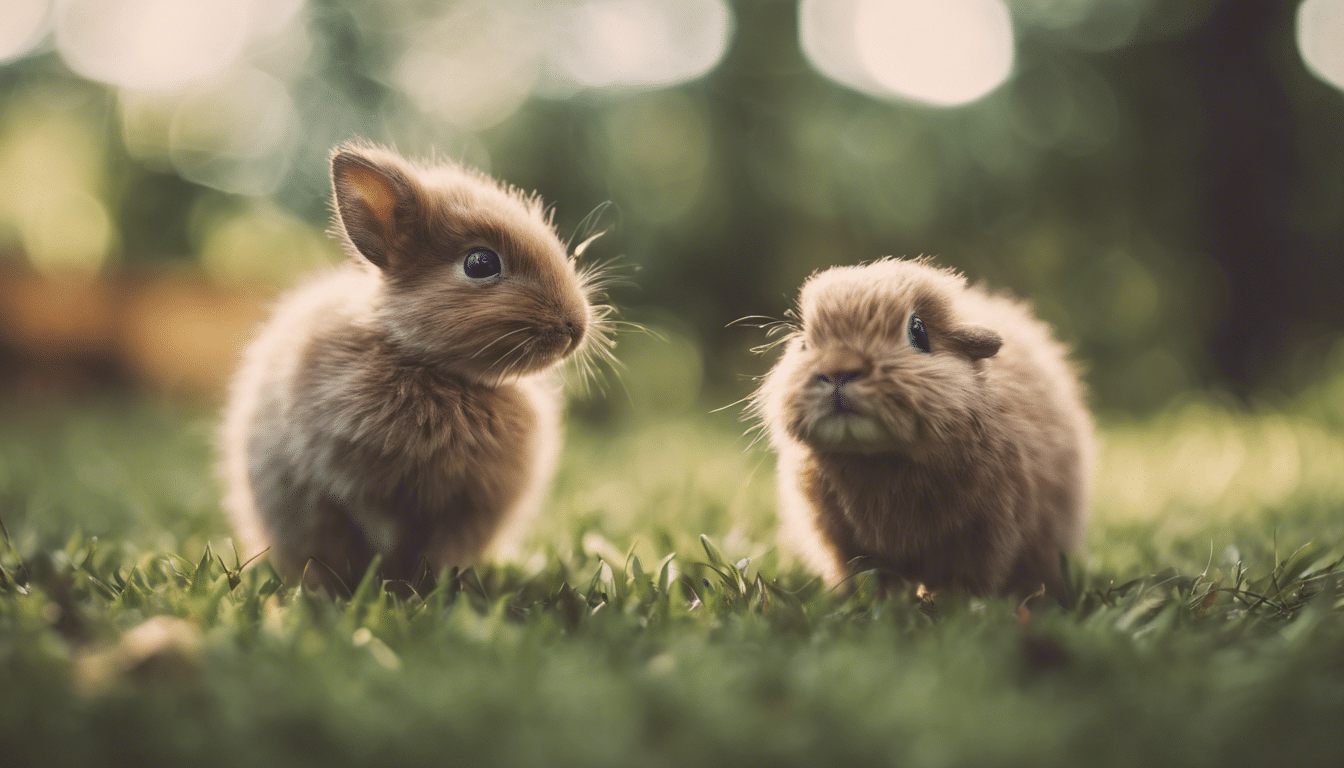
x=928, y=429
x=404, y=404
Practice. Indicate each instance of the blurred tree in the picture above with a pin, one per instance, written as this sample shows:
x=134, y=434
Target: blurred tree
x=1261, y=186
x=1160, y=177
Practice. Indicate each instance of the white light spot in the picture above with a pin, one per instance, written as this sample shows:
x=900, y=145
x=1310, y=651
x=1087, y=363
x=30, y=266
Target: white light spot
x=1320, y=38
x=22, y=24
x=233, y=136
x=475, y=66
x=273, y=17
x=940, y=52
x=635, y=43
x=152, y=44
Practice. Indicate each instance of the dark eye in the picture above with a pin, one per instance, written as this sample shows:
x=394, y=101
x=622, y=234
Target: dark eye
x=919, y=338
x=481, y=264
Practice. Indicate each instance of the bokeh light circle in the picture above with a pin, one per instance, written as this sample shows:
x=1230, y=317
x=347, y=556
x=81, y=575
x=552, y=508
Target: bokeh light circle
x=637, y=43
x=939, y=52
x=22, y=24
x=152, y=44
x=1320, y=39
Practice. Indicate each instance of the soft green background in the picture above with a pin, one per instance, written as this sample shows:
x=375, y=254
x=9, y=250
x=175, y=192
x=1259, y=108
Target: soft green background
x=1161, y=178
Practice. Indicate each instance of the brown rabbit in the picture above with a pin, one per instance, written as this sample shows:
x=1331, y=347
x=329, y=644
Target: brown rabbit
x=928, y=429
x=404, y=404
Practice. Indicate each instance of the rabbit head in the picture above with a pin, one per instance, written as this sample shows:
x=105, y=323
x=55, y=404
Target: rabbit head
x=880, y=363
x=475, y=278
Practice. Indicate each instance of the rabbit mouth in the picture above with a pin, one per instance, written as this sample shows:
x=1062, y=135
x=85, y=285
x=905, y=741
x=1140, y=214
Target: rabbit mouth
x=553, y=345
x=527, y=357
x=845, y=429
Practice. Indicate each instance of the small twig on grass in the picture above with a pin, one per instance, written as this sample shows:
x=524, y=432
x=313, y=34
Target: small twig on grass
x=1208, y=564
x=877, y=570
x=249, y=560
x=334, y=575
x=1260, y=599
x=1273, y=575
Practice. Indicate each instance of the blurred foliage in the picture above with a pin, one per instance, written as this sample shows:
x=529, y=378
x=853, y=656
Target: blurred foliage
x=1160, y=177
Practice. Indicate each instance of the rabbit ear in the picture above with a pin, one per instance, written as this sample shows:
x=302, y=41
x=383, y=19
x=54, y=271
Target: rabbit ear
x=374, y=200
x=975, y=341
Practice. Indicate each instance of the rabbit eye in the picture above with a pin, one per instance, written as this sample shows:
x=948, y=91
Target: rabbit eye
x=481, y=264
x=919, y=337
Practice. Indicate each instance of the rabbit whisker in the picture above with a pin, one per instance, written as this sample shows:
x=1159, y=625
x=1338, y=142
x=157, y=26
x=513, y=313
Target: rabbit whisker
x=498, y=339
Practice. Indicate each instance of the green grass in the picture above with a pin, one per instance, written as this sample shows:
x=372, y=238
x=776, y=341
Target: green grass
x=1208, y=628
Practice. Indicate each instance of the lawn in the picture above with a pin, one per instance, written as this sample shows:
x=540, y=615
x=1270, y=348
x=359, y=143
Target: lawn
x=648, y=619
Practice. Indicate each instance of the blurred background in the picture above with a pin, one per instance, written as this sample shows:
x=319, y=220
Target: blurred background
x=1163, y=178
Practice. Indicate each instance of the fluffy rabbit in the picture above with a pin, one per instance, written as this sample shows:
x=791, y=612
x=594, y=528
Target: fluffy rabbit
x=404, y=404
x=928, y=429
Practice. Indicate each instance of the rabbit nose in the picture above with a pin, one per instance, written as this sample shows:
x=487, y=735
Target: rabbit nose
x=838, y=368
x=575, y=328
x=839, y=378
